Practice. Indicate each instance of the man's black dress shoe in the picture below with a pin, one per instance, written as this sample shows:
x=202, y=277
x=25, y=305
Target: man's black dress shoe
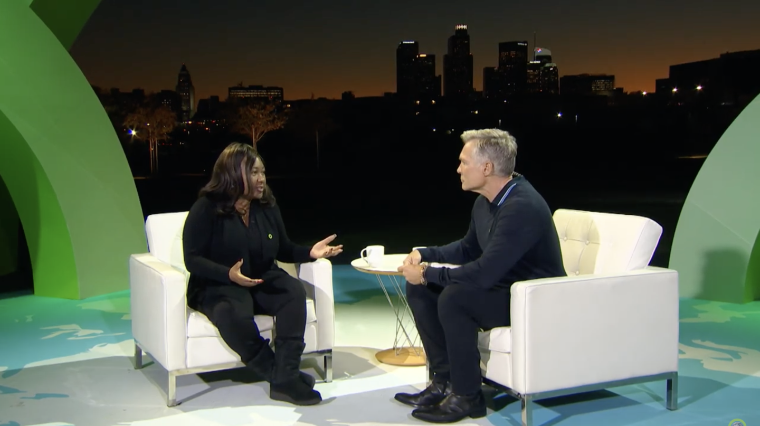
x=453, y=408
x=429, y=397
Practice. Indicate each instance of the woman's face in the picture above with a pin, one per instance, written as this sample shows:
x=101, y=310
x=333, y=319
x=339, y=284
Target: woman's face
x=254, y=184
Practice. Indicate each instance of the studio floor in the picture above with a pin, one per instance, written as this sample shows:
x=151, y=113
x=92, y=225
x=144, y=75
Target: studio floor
x=65, y=362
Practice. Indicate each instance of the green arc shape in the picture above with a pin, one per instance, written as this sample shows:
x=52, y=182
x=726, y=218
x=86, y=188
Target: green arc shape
x=715, y=248
x=62, y=161
x=65, y=19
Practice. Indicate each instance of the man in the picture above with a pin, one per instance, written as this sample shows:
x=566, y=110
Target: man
x=511, y=238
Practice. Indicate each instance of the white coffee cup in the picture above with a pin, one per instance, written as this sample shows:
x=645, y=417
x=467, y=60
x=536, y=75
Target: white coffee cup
x=373, y=255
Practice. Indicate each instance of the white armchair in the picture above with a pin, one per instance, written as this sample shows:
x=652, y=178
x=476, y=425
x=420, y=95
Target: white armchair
x=612, y=321
x=184, y=341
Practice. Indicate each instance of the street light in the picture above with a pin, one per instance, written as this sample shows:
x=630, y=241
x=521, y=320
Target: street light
x=699, y=87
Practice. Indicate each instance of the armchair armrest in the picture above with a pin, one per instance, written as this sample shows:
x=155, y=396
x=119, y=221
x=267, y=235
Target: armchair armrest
x=574, y=331
x=319, y=274
x=158, y=309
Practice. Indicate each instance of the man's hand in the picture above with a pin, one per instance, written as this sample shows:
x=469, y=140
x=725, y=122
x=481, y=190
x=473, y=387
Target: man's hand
x=240, y=279
x=413, y=258
x=412, y=273
x=321, y=249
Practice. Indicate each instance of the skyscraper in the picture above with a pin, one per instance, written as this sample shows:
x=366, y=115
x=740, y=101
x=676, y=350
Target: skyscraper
x=550, y=79
x=494, y=83
x=513, y=64
x=542, y=55
x=543, y=74
x=415, y=73
x=427, y=84
x=534, y=77
x=457, y=65
x=186, y=92
x=406, y=53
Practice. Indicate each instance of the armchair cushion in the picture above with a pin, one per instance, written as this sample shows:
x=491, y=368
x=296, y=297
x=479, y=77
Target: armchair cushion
x=497, y=339
x=604, y=243
x=200, y=326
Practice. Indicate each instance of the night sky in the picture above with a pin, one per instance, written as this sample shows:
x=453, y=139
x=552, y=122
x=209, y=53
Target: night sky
x=328, y=47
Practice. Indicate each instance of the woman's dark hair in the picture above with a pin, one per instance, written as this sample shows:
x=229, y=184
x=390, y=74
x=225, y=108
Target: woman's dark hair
x=226, y=184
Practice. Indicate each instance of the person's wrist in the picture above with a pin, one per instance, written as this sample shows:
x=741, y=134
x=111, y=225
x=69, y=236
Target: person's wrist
x=423, y=268
x=418, y=249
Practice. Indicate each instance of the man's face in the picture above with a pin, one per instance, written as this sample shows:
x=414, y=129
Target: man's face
x=471, y=169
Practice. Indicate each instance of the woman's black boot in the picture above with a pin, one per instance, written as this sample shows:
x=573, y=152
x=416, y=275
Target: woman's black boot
x=288, y=383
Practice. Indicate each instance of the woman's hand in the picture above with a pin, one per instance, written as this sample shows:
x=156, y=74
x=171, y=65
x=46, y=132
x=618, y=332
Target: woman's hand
x=240, y=279
x=322, y=249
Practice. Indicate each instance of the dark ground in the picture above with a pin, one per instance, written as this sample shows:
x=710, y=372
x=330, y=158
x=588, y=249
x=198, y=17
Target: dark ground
x=401, y=207
x=401, y=213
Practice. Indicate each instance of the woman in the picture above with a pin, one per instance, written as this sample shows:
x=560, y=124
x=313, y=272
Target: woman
x=232, y=236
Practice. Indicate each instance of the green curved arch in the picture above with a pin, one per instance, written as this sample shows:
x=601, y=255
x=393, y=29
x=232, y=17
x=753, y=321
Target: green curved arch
x=715, y=248
x=65, y=19
x=61, y=158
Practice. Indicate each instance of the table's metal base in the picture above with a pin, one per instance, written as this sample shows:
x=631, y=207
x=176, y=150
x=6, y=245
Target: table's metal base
x=406, y=331
x=406, y=350
x=405, y=357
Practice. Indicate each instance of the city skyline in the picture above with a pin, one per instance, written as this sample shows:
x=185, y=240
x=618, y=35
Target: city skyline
x=143, y=44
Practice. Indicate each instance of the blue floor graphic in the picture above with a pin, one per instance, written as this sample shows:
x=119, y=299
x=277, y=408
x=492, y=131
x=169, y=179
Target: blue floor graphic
x=719, y=361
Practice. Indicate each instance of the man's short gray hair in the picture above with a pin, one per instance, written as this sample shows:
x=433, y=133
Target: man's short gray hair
x=496, y=146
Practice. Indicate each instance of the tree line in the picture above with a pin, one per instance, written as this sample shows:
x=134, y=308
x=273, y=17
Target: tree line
x=150, y=117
